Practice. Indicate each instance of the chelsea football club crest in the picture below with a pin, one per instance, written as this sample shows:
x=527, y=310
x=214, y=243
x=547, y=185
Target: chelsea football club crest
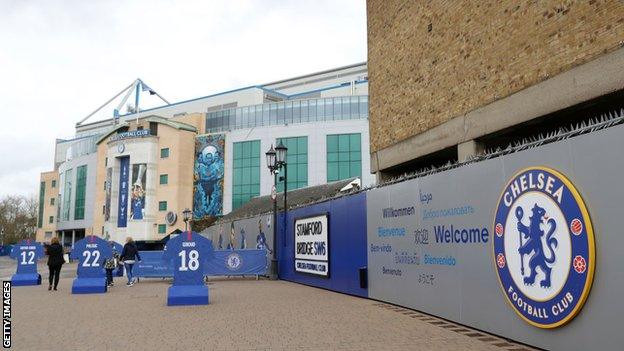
x=544, y=247
x=233, y=261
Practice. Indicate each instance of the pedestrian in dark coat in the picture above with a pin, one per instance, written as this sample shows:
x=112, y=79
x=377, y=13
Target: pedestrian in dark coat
x=129, y=256
x=55, y=262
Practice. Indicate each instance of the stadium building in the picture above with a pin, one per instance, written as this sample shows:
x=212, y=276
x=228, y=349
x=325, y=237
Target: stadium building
x=134, y=174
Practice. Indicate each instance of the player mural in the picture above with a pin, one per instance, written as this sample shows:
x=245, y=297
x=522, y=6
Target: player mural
x=137, y=202
x=208, y=176
x=107, y=203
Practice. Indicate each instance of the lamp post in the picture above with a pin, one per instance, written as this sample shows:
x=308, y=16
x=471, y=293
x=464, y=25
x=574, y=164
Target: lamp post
x=187, y=215
x=276, y=159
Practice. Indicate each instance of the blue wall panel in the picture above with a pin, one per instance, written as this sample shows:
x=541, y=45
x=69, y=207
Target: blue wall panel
x=347, y=244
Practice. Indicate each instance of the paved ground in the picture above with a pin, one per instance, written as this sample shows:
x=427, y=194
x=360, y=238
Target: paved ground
x=243, y=315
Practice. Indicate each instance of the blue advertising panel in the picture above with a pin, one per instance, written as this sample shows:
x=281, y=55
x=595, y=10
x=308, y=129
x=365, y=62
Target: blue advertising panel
x=346, y=250
x=122, y=208
x=91, y=253
x=152, y=265
x=26, y=253
x=208, y=176
x=187, y=254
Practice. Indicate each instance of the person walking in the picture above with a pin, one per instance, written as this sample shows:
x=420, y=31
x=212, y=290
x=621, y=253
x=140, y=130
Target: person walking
x=111, y=264
x=55, y=262
x=129, y=256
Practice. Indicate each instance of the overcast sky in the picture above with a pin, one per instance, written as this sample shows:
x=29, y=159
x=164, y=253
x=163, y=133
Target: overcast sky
x=60, y=60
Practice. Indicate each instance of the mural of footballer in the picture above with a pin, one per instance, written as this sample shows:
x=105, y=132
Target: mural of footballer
x=137, y=202
x=208, y=176
x=261, y=239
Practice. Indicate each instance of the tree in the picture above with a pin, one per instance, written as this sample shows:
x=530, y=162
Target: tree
x=18, y=217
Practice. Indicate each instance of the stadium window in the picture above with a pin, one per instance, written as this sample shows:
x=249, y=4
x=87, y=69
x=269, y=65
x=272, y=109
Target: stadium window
x=344, y=156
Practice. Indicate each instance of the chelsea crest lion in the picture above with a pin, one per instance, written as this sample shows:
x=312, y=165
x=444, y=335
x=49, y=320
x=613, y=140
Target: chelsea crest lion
x=233, y=261
x=544, y=250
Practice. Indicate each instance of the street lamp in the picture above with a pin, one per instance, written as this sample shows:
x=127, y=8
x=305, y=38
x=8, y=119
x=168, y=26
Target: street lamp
x=276, y=159
x=187, y=215
x=281, y=161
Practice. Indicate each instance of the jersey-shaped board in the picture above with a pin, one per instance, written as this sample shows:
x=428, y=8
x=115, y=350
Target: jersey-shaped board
x=26, y=253
x=187, y=254
x=91, y=253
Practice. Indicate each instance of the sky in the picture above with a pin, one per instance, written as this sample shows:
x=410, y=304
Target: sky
x=60, y=60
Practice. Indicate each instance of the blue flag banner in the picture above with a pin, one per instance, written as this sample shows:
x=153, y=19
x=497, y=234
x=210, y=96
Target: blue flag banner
x=238, y=262
x=91, y=253
x=187, y=254
x=225, y=263
x=26, y=253
x=122, y=208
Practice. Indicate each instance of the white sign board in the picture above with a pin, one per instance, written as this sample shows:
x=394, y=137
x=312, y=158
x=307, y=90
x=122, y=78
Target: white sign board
x=312, y=245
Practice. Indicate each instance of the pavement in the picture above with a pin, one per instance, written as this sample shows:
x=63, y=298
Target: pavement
x=243, y=314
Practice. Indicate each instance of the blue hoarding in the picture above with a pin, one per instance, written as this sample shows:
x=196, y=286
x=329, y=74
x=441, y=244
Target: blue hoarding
x=347, y=244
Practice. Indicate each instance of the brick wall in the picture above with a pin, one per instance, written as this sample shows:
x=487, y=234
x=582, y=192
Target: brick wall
x=430, y=61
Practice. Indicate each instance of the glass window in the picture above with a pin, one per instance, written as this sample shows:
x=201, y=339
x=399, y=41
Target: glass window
x=337, y=108
x=273, y=115
x=280, y=113
x=54, y=183
x=258, y=121
x=162, y=229
x=164, y=179
x=67, y=194
x=51, y=219
x=288, y=106
x=245, y=120
x=162, y=205
x=164, y=153
x=344, y=158
x=296, y=162
x=304, y=111
x=312, y=109
x=51, y=201
x=320, y=109
x=81, y=188
x=329, y=109
x=245, y=172
x=354, y=107
x=238, y=118
x=265, y=115
x=41, y=201
x=363, y=106
x=346, y=108
x=296, y=118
